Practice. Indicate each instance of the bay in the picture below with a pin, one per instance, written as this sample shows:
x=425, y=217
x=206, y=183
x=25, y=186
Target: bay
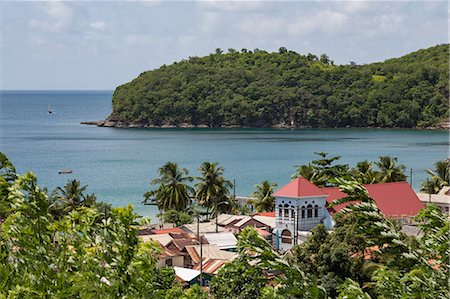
x=118, y=164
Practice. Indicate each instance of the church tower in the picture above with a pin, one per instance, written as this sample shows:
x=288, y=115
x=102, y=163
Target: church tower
x=299, y=206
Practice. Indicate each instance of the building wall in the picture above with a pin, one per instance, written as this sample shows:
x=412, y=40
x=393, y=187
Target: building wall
x=177, y=261
x=309, y=211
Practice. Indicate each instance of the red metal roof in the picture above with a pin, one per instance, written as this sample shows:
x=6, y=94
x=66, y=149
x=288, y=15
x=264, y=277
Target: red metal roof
x=267, y=214
x=167, y=230
x=300, y=187
x=393, y=199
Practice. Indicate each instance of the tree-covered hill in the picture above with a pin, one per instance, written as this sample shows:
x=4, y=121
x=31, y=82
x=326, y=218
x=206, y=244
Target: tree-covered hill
x=284, y=89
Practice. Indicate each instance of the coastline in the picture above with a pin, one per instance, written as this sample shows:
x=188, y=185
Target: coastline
x=445, y=125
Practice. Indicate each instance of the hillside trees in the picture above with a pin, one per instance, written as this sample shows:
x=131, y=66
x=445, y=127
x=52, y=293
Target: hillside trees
x=284, y=88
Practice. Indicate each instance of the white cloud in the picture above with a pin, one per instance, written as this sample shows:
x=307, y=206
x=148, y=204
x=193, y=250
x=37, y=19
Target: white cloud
x=58, y=17
x=262, y=26
x=98, y=25
x=322, y=21
x=209, y=21
x=233, y=5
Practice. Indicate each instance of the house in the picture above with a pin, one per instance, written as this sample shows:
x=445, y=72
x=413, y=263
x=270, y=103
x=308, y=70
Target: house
x=170, y=258
x=442, y=199
x=301, y=205
x=236, y=223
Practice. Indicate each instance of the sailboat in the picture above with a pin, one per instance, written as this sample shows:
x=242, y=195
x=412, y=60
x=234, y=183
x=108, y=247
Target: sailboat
x=50, y=110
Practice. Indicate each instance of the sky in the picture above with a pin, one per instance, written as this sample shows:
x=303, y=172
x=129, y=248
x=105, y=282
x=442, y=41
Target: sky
x=85, y=45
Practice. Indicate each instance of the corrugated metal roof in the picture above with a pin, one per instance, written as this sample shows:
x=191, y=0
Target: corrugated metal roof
x=393, y=199
x=205, y=227
x=225, y=240
x=211, y=266
x=209, y=251
x=434, y=198
x=267, y=220
x=163, y=239
x=186, y=274
x=167, y=230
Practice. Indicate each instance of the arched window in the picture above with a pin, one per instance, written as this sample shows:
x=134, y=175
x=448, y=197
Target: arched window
x=303, y=211
x=292, y=213
x=280, y=211
x=286, y=211
x=316, y=211
x=286, y=237
x=309, y=211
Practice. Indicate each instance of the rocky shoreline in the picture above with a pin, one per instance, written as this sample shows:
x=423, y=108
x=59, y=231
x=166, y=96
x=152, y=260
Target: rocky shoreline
x=445, y=125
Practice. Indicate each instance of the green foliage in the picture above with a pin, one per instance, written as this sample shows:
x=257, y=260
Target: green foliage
x=264, y=200
x=173, y=191
x=213, y=188
x=86, y=253
x=322, y=172
x=284, y=88
x=178, y=218
x=439, y=177
x=75, y=255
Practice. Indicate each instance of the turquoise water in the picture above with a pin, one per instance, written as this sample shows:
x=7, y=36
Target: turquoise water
x=118, y=164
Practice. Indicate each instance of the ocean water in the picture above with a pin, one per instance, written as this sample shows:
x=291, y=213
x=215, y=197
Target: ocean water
x=118, y=164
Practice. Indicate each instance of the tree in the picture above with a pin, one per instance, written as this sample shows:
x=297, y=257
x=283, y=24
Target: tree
x=389, y=170
x=7, y=176
x=282, y=50
x=178, y=218
x=173, y=191
x=321, y=171
x=71, y=196
x=75, y=256
x=264, y=200
x=324, y=59
x=365, y=173
x=439, y=177
x=212, y=188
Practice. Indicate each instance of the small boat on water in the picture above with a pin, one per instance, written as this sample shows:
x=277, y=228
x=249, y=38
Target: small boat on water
x=65, y=171
x=50, y=110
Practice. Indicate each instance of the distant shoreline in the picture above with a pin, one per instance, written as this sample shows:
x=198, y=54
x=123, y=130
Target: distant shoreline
x=445, y=125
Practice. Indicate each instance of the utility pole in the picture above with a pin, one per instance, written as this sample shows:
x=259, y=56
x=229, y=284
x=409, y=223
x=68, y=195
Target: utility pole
x=201, y=262
x=217, y=215
x=296, y=222
x=411, y=178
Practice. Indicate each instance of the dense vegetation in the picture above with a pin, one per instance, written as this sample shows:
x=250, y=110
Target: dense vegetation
x=67, y=245
x=284, y=88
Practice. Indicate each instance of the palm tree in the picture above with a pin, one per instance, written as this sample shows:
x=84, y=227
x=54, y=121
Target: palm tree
x=173, y=193
x=389, y=170
x=213, y=188
x=71, y=196
x=440, y=177
x=264, y=200
x=365, y=173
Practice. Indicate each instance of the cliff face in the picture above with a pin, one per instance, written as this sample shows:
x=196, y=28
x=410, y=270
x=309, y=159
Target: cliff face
x=286, y=89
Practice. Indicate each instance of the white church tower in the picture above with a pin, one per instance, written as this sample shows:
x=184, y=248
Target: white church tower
x=299, y=206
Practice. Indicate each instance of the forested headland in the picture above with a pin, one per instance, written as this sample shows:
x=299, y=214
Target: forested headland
x=286, y=89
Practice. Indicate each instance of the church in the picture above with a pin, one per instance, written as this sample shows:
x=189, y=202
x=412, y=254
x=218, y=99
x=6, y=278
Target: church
x=300, y=206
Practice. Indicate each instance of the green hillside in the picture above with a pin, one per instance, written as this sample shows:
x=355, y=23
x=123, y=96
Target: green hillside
x=284, y=88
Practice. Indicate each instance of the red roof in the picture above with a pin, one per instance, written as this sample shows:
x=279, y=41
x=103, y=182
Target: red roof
x=393, y=199
x=167, y=230
x=266, y=214
x=300, y=187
